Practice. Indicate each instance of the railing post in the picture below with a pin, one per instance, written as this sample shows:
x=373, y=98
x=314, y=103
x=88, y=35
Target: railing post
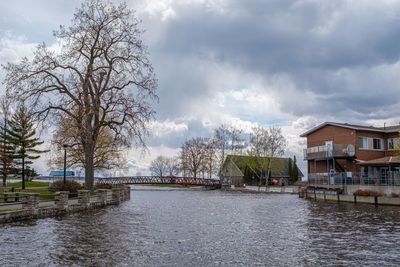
x=61, y=199
x=102, y=196
x=84, y=198
x=31, y=202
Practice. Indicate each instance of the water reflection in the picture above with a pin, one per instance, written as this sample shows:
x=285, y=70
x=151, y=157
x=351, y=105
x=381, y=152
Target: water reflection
x=209, y=228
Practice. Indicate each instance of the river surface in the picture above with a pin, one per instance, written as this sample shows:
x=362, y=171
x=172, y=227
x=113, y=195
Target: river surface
x=209, y=228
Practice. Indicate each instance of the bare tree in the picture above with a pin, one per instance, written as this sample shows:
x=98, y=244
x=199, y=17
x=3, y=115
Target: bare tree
x=165, y=166
x=236, y=142
x=221, y=136
x=159, y=166
x=193, y=155
x=102, y=78
x=265, y=146
x=172, y=166
x=6, y=149
x=228, y=141
x=210, y=161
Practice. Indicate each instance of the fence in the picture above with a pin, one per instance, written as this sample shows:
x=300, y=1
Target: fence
x=355, y=178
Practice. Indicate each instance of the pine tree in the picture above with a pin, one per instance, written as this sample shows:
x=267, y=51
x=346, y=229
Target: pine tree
x=295, y=170
x=6, y=149
x=290, y=171
x=21, y=135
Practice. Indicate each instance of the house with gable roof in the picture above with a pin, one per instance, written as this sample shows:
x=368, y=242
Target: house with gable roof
x=239, y=170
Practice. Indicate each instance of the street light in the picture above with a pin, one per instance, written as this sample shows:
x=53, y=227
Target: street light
x=65, y=162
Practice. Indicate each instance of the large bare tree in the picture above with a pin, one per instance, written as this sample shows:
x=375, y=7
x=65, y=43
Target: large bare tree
x=193, y=155
x=100, y=78
x=265, y=146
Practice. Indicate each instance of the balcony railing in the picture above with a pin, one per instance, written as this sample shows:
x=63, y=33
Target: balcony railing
x=320, y=152
x=355, y=178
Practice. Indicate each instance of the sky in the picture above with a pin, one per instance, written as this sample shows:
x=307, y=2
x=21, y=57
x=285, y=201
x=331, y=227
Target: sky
x=290, y=64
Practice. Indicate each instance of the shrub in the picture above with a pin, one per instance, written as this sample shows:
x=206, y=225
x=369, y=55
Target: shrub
x=366, y=193
x=71, y=186
x=103, y=186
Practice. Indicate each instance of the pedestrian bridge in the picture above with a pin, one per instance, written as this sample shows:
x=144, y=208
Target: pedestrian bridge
x=158, y=180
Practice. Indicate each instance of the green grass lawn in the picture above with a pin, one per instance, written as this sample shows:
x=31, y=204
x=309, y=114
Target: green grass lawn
x=42, y=192
x=29, y=184
x=9, y=210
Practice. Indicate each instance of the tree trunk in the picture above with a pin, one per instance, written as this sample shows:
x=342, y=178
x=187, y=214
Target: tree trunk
x=89, y=170
x=4, y=177
x=23, y=172
x=4, y=159
x=268, y=171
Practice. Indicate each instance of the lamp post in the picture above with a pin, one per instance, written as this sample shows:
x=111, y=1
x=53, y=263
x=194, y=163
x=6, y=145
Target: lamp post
x=65, y=162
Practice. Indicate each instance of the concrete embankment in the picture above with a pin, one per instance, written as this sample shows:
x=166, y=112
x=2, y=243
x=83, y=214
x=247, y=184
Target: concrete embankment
x=32, y=208
x=326, y=195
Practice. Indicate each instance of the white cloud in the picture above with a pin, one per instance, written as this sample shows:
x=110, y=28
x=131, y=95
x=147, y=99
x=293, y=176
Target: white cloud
x=162, y=129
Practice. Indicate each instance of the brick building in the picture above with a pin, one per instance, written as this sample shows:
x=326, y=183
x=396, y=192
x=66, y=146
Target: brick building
x=340, y=153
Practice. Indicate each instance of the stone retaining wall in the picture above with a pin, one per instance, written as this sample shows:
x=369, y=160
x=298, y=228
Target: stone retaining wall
x=63, y=205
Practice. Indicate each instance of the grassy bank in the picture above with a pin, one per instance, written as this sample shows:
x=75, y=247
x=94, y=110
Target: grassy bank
x=29, y=184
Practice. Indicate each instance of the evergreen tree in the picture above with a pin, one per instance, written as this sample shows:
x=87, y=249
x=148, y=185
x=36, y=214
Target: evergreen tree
x=290, y=171
x=295, y=170
x=6, y=149
x=21, y=135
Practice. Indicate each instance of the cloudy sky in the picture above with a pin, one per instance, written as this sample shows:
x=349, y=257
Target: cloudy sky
x=291, y=64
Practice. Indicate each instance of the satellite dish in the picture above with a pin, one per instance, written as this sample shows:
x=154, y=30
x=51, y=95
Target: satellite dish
x=351, y=151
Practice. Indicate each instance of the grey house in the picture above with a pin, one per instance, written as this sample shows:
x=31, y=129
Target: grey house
x=239, y=170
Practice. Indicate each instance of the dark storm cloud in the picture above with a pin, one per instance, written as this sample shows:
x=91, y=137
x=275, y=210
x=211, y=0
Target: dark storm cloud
x=330, y=50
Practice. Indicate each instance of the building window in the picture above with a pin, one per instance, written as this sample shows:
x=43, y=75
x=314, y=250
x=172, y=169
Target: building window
x=393, y=143
x=363, y=142
x=377, y=144
x=390, y=143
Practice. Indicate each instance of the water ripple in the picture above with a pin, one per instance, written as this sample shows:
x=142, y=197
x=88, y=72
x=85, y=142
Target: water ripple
x=209, y=228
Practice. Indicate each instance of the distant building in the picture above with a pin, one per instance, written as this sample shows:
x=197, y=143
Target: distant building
x=341, y=153
x=61, y=173
x=239, y=170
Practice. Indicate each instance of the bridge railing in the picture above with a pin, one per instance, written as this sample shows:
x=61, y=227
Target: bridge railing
x=157, y=180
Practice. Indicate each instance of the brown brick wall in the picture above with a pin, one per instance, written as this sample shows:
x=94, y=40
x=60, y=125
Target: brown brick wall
x=369, y=154
x=321, y=166
x=340, y=135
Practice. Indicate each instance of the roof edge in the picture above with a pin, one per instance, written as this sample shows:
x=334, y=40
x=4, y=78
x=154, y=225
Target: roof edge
x=348, y=126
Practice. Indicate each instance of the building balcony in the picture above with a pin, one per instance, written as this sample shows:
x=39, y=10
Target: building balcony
x=391, y=178
x=325, y=152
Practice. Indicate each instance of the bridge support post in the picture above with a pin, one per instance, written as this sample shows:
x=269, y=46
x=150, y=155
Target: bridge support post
x=61, y=199
x=84, y=198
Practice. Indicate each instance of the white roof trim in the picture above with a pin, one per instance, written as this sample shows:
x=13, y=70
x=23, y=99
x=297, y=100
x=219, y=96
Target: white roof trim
x=349, y=126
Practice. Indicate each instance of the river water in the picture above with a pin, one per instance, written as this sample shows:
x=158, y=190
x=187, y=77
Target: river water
x=164, y=227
